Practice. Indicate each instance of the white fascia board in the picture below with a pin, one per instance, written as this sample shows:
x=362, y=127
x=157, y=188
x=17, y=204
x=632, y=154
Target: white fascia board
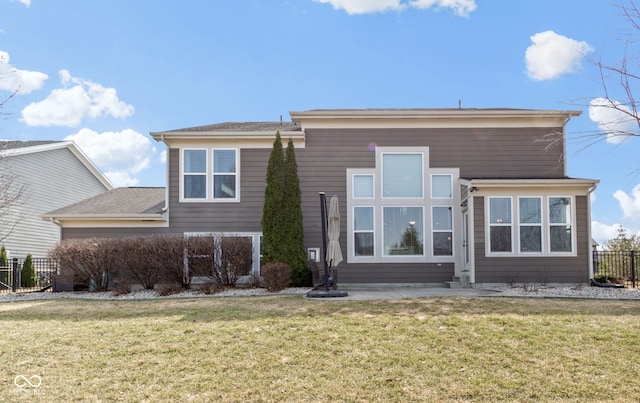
x=432, y=118
x=102, y=221
x=487, y=185
x=248, y=139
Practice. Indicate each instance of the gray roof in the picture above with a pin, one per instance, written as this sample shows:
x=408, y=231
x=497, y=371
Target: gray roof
x=243, y=127
x=118, y=202
x=13, y=144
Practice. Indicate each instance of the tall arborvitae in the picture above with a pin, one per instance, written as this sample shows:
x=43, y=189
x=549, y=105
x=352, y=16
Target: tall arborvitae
x=273, y=227
x=292, y=206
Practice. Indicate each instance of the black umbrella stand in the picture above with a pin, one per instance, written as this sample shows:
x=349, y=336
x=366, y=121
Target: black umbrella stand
x=326, y=278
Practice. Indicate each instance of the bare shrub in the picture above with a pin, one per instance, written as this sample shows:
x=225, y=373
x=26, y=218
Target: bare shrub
x=202, y=251
x=236, y=259
x=277, y=276
x=142, y=262
x=171, y=256
x=89, y=260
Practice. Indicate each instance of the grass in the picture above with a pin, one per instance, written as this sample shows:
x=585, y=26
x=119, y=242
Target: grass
x=286, y=348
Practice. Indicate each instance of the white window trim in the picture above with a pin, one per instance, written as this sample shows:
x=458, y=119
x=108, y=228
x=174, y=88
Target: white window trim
x=572, y=223
x=452, y=230
x=450, y=186
x=490, y=224
x=411, y=151
x=541, y=224
x=209, y=176
x=378, y=202
x=372, y=175
x=373, y=230
x=515, y=226
x=236, y=174
x=183, y=173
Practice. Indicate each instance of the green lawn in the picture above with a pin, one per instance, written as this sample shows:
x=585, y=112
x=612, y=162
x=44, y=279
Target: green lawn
x=286, y=348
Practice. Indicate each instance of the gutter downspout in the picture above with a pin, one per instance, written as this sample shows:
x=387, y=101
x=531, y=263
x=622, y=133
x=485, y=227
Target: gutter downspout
x=591, y=190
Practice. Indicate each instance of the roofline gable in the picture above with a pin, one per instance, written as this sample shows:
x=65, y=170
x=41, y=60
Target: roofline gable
x=57, y=146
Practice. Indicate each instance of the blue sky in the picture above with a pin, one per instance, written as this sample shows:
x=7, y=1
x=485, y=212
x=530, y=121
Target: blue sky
x=105, y=73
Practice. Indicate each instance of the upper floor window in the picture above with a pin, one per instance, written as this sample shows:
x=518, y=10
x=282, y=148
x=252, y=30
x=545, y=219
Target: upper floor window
x=363, y=187
x=195, y=174
x=224, y=174
x=402, y=175
x=441, y=186
x=214, y=179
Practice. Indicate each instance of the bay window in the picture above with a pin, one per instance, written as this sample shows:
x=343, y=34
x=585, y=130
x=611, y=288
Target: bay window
x=543, y=226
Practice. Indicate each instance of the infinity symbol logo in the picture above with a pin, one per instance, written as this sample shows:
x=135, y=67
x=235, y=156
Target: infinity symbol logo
x=22, y=381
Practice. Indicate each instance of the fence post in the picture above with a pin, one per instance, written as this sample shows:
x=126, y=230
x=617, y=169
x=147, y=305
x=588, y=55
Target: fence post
x=633, y=269
x=16, y=275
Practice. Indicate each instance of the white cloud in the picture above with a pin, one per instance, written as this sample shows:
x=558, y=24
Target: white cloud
x=553, y=55
x=630, y=204
x=12, y=79
x=460, y=7
x=69, y=106
x=601, y=232
x=120, y=155
x=163, y=157
x=616, y=123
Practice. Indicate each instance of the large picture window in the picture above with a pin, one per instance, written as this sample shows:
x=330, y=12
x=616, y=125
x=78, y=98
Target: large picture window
x=402, y=210
x=403, y=231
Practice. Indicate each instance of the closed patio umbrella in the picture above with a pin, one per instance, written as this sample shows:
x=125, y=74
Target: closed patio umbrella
x=334, y=253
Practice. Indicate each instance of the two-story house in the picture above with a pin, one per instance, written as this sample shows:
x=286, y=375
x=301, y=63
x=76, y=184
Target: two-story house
x=38, y=176
x=426, y=195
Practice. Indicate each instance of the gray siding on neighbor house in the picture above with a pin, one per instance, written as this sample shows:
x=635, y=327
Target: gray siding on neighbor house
x=479, y=153
x=532, y=269
x=52, y=179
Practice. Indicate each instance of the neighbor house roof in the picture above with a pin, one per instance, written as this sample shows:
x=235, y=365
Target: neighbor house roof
x=132, y=203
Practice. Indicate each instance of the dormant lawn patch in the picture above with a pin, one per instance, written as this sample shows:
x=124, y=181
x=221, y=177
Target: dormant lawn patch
x=286, y=348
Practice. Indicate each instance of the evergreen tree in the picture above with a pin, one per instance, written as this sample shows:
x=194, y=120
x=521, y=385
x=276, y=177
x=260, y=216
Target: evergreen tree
x=292, y=207
x=273, y=225
x=27, y=273
x=4, y=262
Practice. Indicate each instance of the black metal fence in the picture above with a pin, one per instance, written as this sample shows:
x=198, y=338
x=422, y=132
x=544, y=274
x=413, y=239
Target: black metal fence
x=616, y=267
x=15, y=277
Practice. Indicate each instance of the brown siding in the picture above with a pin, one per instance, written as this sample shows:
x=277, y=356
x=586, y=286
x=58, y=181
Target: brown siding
x=532, y=269
x=479, y=153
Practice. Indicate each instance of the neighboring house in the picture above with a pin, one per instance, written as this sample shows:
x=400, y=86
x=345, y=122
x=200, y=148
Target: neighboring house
x=50, y=174
x=426, y=195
